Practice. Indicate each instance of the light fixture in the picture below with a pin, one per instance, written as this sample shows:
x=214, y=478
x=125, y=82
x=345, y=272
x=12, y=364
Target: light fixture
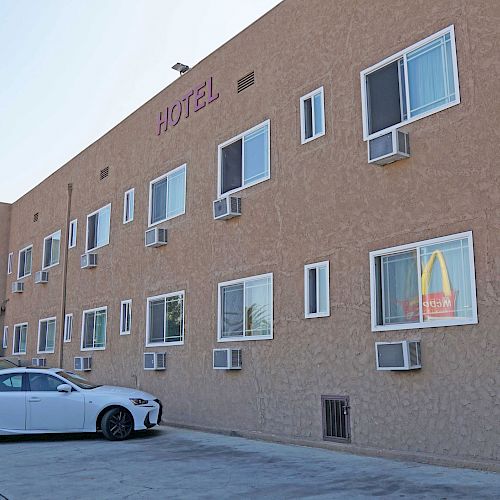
x=181, y=68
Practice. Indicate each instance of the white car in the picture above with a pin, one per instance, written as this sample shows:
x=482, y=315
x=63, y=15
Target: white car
x=52, y=400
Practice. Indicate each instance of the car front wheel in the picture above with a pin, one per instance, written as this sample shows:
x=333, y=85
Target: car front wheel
x=117, y=424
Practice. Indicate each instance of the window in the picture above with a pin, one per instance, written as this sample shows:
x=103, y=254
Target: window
x=68, y=327
x=73, y=226
x=98, y=228
x=425, y=284
x=24, y=268
x=125, y=317
x=246, y=309
x=312, y=115
x=46, y=335
x=51, y=250
x=94, y=329
x=11, y=382
x=5, y=338
x=316, y=290
x=128, y=206
x=167, y=196
x=416, y=82
x=244, y=160
x=165, y=319
x=40, y=382
x=9, y=263
x=20, y=334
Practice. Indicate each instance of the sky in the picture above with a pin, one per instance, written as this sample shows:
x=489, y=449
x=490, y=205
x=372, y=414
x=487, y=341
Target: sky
x=72, y=69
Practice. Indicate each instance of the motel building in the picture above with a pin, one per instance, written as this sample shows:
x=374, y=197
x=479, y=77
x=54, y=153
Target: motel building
x=298, y=239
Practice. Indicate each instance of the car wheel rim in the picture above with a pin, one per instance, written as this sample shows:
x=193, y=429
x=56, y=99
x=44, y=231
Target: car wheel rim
x=120, y=424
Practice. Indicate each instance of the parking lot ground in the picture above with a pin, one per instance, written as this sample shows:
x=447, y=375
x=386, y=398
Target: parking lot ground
x=177, y=463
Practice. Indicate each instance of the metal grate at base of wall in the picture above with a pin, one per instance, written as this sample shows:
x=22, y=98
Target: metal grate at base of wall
x=245, y=81
x=336, y=418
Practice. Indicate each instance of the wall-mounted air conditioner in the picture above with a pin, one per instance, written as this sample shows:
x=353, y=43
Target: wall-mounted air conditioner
x=83, y=363
x=227, y=207
x=388, y=148
x=41, y=277
x=155, y=360
x=155, y=237
x=88, y=260
x=38, y=362
x=227, y=359
x=404, y=355
x=18, y=287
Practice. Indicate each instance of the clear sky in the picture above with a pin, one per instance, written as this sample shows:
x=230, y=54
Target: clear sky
x=72, y=69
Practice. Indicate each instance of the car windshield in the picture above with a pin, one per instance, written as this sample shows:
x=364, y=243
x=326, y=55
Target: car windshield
x=77, y=380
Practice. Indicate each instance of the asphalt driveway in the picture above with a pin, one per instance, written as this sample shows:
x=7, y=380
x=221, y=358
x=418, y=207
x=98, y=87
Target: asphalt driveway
x=176, y=463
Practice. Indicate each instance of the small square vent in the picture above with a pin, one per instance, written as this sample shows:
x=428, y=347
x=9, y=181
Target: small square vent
x=246, y=81
x=35, y=217
x=104, y=173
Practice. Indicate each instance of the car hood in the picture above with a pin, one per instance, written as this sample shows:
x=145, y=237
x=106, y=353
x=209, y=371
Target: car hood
x=121, y=392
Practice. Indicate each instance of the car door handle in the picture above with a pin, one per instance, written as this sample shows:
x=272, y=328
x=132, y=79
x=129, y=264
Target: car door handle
x=34, y=400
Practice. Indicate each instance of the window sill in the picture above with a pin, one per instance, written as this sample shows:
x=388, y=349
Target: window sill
x=153, y=224
x=164, y=344
x=305, y=141
x=317, y=315
x=50, y=267
x=45, y=352
x=124, y=333
x=428, y=324
x=248, y=337
x=236, y=190
x=19, y=353
x=92, y=250
x=67, y=341
x=86, y=349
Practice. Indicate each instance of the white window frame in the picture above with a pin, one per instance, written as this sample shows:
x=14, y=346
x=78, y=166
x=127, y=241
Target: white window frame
x=158, y=179
x=87, y=229
x=316, y=266
x=128, y=195
x=311, y=96
x=243, y=338
x=234, y=139
x=95, y=309
x=128, y=304
x=181, y=293
x=10, y=258
x=68, y=327
x=45, y=351
x=402, y=54
x=435, y=323
x=14, y=339
x=51, y=236
x=73, y=228
x=19, y=262
x=5, y=338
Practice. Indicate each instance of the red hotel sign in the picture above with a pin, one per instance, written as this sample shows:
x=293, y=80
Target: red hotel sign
x=198, y=97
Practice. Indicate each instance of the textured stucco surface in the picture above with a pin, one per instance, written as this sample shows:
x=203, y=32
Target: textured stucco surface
x=323, y=202
x=4, y=252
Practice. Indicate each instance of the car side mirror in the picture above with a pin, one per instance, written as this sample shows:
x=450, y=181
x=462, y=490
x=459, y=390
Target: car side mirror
x=64, y=388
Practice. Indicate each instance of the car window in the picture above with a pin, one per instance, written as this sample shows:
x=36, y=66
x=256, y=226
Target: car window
x=43, y=382
x=11, y=382
x=77, y=380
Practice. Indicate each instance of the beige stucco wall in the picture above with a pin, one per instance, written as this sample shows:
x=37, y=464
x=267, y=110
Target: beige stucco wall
x=323, y=202
x=4, y=252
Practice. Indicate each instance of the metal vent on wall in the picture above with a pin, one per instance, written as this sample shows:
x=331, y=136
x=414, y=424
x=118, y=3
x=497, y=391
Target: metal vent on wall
x=246, y=81
x=336, y=418
x=35, y=217
x=104, y=173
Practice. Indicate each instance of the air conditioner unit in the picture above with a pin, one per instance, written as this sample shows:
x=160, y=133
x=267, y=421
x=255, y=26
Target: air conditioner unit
x=404, y=355
x=38, y=362
x=389, y=148
x=18, y=287
x=227, y=359
x=88, y=260
x=227, y=207
x=155, y=360
x=155, y=237
x=83, y=363
x=41, y=277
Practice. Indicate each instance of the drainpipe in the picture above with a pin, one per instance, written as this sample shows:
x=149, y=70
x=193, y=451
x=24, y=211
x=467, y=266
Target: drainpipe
x=65, y=274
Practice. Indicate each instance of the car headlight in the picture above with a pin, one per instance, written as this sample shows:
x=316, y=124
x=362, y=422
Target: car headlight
x=139, y=401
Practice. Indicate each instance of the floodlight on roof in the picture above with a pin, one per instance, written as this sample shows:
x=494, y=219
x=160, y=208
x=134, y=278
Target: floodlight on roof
x=181, y=68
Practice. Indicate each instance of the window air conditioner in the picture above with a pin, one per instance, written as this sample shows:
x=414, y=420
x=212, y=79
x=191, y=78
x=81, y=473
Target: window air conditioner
x=404, y=355
x=227, y=359
x=83, y=363
x=18, y=287
x=389, y=148
x=88, y=260
x=41, y=277
x=155, y=237
x=38, y=362
x=155, y=360
x=227, y=207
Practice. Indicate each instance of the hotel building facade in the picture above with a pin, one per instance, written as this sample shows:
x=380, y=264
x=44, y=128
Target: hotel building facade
x=355, y=293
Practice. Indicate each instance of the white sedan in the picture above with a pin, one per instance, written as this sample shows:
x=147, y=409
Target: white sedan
x=51, y=400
